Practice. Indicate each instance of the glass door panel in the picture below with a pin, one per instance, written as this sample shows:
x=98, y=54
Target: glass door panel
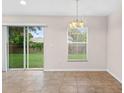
x=16, y=46
x=35, y=47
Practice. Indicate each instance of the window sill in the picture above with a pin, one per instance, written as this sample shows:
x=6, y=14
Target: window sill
x=77, y=61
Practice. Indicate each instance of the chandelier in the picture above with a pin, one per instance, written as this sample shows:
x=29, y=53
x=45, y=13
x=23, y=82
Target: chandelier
x=76, y=23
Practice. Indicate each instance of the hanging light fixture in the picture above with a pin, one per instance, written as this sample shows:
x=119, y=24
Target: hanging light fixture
x=76, y=23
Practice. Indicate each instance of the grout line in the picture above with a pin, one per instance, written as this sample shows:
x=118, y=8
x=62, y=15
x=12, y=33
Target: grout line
x=61, y=83
x=76, y=83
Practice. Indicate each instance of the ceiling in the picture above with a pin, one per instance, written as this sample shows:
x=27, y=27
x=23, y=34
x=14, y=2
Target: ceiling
x=60, y=7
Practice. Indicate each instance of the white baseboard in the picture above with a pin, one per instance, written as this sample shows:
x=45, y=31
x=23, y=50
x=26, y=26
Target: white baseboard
x=74, y=69
x=4, y=70
x=114, y=75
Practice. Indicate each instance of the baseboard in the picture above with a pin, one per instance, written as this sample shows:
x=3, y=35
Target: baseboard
x=74, y=69
x=114, y=75
x=3, y=70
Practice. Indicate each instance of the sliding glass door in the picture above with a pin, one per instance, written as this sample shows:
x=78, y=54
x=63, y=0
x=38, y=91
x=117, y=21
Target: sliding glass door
x=35, y=47
x=16, y=47
x=25, y=47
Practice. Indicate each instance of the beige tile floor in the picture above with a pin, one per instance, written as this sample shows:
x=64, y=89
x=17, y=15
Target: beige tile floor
x=59, y=82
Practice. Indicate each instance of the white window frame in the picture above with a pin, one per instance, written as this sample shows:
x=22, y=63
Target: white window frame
x=78, y=60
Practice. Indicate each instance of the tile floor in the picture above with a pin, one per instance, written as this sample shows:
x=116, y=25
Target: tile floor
x=59, y=82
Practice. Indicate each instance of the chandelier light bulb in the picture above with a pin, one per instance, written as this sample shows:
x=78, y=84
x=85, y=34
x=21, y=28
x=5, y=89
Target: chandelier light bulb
x=23, y=2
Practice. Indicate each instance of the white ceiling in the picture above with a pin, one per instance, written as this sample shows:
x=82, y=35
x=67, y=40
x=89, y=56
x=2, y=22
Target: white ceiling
x=60, y=7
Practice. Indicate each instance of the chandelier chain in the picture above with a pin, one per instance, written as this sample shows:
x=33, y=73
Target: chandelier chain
x=77, y=9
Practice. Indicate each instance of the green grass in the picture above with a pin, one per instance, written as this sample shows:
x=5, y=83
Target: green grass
x=15, y=60
x=35, y=60
x=77, y=57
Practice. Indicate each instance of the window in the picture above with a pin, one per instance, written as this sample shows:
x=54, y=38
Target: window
x=77, y=45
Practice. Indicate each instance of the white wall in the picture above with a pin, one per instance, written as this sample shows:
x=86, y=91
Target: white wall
x=56, y=41
x=115, y=45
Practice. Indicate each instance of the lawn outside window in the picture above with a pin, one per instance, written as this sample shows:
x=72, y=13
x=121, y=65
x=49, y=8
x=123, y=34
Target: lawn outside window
x=77, y=45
